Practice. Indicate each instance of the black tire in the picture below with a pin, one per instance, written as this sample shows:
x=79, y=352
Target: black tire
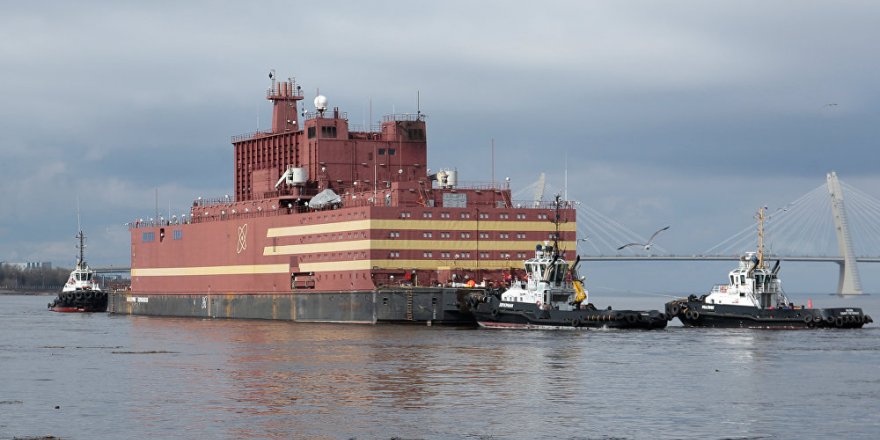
x=78, y=295
x=631, y=318
x=575, y=322
x=696, y=315
x=817, y=319
x=808, y=319
x=494, y=312
x=618, y=316
x=829, y=320
x=838, y=322
x=674, y=309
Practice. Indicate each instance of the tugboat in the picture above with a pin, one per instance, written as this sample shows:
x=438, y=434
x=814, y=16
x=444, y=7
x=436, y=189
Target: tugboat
x=754, y=298
x=553, y=297
x=81, y=293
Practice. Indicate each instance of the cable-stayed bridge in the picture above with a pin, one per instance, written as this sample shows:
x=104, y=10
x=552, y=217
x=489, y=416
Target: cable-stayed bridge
x=817, y=227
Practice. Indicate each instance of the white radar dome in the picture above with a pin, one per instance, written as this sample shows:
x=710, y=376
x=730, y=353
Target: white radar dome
x=321, y=102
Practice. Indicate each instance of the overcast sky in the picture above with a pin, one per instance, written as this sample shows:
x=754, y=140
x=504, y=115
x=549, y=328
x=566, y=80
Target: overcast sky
x=686, y=113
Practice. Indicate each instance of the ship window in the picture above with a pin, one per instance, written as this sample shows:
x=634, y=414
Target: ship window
x=381, y=152
x=147, y=237
x=311, y=132
x=328, y=132
x=742, y=279
x=178, y=234
x=732, y=280
x=391, y=151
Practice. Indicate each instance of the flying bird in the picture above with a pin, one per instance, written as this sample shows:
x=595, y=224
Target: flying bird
x=648, y=244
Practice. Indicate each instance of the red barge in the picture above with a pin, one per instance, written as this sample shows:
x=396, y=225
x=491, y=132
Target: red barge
x=333, y=224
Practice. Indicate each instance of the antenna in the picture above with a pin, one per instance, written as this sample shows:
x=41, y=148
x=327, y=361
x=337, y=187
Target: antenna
x=418, y=105
x=565, y=185
x=493, y=162
x=78, y=222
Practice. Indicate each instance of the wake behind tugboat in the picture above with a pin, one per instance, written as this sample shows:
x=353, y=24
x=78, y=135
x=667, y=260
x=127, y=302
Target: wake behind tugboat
x=754, y=298
x=553, y=297
x=81, y=293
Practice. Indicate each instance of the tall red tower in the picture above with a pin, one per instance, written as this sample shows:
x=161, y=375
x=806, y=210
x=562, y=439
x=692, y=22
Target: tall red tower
x=261, y=157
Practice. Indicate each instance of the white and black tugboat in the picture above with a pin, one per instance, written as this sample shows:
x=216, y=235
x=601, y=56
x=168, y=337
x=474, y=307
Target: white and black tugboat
x=81, y=293
x=553, y=296
x=753, y=298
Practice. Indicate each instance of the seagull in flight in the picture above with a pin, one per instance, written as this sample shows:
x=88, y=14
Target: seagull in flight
x=648, y=244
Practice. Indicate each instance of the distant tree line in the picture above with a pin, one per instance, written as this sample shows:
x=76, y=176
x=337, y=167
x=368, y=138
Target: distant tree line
x=16, y=278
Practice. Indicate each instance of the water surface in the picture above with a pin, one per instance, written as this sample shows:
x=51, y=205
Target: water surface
x=116, y=377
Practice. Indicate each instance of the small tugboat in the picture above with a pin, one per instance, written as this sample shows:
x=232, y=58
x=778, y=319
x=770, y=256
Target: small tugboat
x=552, y=297
x=81, y=293
x=754, y=298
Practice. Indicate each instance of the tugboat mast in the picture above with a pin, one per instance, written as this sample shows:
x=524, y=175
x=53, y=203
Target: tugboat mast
x=80, y=262
x=761, y=238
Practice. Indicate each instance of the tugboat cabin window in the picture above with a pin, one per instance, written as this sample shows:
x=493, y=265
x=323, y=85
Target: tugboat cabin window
x=742, y=279
x=732, y=280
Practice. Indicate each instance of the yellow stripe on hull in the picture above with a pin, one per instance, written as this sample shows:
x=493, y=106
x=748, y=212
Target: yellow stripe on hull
x=327, y=266
x=427, y=245
x=426, y=225
x=255, y=269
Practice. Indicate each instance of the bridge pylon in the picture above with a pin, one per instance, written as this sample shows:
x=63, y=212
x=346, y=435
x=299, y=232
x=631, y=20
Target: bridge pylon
x=849, y=282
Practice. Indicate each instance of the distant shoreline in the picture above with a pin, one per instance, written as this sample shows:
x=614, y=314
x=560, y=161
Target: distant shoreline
x=28, y=292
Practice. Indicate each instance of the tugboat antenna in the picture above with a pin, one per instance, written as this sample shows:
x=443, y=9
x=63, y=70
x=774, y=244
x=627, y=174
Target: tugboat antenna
x=761, y=237
x=556, y=220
